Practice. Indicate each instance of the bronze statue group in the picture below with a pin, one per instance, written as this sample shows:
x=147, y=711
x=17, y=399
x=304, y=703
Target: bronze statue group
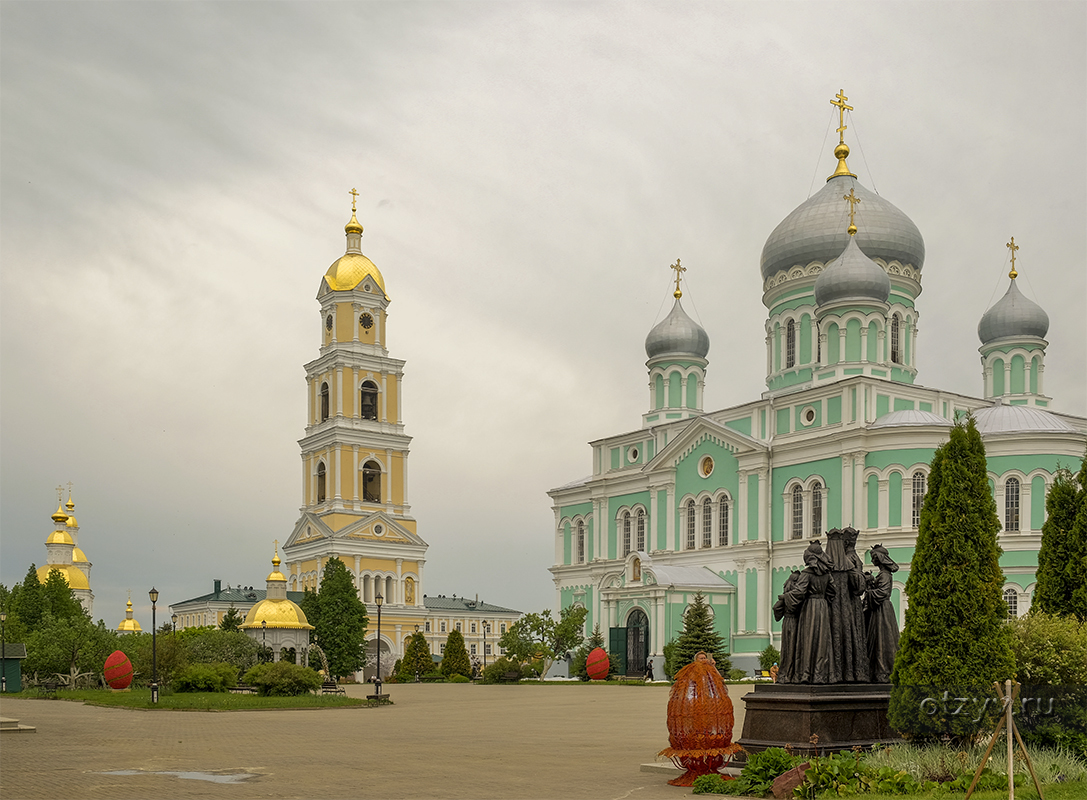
x=837, y=622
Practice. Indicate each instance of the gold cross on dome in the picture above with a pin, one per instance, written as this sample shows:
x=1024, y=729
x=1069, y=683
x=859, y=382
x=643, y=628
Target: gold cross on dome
x=842, y=108
x=852, y=199
x=60, y=494
x=1013, y=247
x=679, y=271
x=354, y=195
x=276, y=541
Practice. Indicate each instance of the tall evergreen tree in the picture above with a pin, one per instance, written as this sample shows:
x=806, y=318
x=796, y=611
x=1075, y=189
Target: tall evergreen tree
x=340, y=628
x=311, y=607
x=29, y=601
x=956, y=636
x=232, y=619
x=1064, y=547
x=699, y=635
x=59, y=600
x=417, y=659
x=455, y=659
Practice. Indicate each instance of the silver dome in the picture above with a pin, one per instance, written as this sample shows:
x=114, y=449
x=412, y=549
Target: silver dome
x=816, y=230
x=852, y=275
x=1015, y=419
x=908, y=418
x=679, y=334
x=1013, y=315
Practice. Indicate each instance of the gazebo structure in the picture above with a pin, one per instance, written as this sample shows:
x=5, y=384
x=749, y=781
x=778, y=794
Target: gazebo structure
x=277, y=622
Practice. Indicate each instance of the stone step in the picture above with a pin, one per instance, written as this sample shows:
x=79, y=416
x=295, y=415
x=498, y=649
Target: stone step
x=9, y=725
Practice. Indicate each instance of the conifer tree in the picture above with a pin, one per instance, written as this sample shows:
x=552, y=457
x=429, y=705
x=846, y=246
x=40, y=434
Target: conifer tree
x=956, y=637
x=698, y=636
x=340, y=628
x=1061, y=559
x=232, y=619
x=455, y=659
x=417, y=660
x=29, y=601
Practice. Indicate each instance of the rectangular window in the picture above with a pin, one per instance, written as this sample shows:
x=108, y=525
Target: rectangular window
x=473, y=627
x=722, y=523
x=473, y=649
x=502, y=627
x=707, y=523
x=458, y=626
x=641, y=530
x=443, y=648
x=442, y=626
x=817, y=510
x=427, y=627
x=487, y=649
x=690, y=526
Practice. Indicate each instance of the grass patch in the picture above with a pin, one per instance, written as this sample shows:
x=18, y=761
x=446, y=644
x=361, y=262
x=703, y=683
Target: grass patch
x=197, y=701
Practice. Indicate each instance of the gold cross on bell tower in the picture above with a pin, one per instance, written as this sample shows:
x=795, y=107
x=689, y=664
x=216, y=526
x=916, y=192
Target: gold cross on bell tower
x=354, y=196
x=842, y=108
x=852, y=199
x=678, y=293
x=1013, y=247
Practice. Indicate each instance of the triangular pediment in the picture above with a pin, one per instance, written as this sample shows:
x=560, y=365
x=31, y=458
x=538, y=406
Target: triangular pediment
x=701, y=430
x=378, y=526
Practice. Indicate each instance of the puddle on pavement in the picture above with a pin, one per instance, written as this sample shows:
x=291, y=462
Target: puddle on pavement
x=233, y=777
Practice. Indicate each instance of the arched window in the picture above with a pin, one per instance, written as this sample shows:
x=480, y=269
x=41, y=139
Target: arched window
x=626, y=533
x=580, y=542
x=1011, y=599
x=818, y=346
x=798, y=513
x=371, y=482
x=920, y=486
x=641, y=529
x=368, y=400
x=790, y=344
x=707, y=523
x=722, y=522
x=1011, y=504
x=817, y=509
x=321, y=482
x=896, y=349
x=690, y=525
x=324, y=402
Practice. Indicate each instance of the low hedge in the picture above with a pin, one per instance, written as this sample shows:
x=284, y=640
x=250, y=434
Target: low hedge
x=282, y=679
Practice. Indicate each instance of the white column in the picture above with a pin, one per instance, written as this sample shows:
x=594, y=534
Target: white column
x=384, y=395
x=339, y=391
x=305, y=481
x=419, y=588
x=404, y=475
x=884, y=505
x=667, y=393
x=670, y=520
x=339, y=494
x=651, y=523
x=864, y=342
x=1008, y=376
x=1024, y=506
x=741, y=509
x=741, y=595
x=399, y=400
x=764, y=507
x=399, y=580
x=847, y=490
x=355, y=308
x=599, y=528
x=769, y=354
x=762, y=612
x=355, y=470
x=659, y=639
x=356, y=403
x=559, y=537
x=1041, y=374
x=388, y=489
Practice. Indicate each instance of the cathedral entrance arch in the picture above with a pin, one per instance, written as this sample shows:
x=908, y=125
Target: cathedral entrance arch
x=631, y=644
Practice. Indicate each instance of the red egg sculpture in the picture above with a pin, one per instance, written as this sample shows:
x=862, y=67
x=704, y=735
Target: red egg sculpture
x=118, y=670
x=700, y=721
x=597, y=664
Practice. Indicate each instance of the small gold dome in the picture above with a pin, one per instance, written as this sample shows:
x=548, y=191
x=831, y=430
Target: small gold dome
x=73, y=522
x=129, y=626
x=75, y=577
x=278, y=614
x=348, y=271
x=59, y=515
x=59, y=537
x=79, y=557
x=354, y=226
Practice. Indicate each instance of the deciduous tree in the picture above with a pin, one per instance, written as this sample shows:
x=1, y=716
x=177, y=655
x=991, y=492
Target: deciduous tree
x=540, y=637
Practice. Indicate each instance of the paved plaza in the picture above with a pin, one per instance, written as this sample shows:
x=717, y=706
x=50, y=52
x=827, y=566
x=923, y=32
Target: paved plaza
x=437, y=740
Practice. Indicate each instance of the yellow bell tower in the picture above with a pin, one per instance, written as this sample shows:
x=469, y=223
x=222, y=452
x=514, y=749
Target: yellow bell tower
x=355, y=452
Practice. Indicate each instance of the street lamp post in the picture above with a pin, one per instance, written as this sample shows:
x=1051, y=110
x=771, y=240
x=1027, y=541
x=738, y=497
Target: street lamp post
x=173, y=622
x=264, y=638
x=486, y=627
x=3, y=652
x=154, y=595
x=416, y=666
x=378, y=599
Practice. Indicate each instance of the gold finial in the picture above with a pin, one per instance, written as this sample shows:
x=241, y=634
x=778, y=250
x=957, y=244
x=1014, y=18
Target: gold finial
x=1013, y=247
x=852, y=199
x=678, y=293
x=69, y=505
x=354, y=196
x=842, y=149
x=275, y=559
x=842, y=108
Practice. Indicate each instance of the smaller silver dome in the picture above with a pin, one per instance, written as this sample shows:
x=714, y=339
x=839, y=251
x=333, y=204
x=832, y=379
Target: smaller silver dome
x=678, y=334
x=852, y=275
x=1016, y=419
x=1013, y=315
x=909, y=418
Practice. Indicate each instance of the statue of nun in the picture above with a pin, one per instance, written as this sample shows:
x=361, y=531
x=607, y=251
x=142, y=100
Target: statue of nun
x=788, y=622
x=846, y=616
x=809, y=598
x=879, y=617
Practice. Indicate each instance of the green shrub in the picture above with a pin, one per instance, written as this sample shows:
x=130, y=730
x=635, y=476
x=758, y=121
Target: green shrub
x=713, y=784
x=495, y=673
x=1051, y=663
x=760, y=771
x=282, y=679
x=206, y=678
x=844, y=773
x=735, y=674
x=768, y=657
x=458, y=678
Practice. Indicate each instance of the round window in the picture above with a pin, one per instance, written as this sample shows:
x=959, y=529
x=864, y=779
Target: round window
x=807, y=416
x=632, y=454
x=705, y=466
x=379, y=529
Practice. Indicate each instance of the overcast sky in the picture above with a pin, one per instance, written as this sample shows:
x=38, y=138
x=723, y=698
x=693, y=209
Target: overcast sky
x=175, y=183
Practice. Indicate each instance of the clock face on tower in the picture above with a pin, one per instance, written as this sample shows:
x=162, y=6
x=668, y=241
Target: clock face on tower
x=328, y=322
x=366, y=321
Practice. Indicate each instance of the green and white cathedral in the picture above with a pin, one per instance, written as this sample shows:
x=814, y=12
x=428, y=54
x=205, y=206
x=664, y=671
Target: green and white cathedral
x=724, y=502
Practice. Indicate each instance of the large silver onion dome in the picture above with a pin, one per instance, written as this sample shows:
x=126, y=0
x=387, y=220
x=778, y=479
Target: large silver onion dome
x=1013, y=315
x=678, y=334
x=816, y=230
x=853, y=275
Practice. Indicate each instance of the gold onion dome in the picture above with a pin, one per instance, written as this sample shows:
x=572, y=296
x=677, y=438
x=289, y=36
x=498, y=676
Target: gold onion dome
x=79, y=557
x=128, y=624
x=275, y=574
x=277, y=613
x=59, y=537
x=354, y=226
x=59, y=515
x=349, y=270
x=72, y=522
x=75, y=577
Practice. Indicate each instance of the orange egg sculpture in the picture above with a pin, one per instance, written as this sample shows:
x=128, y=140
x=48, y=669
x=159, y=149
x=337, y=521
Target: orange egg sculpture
x=597, y=664
x=118, y=670
x=700, y=721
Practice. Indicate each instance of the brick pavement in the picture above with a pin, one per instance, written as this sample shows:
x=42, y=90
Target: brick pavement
x=437, y=740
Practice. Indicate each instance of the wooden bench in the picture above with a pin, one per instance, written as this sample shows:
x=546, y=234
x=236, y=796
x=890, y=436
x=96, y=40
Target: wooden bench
x=241, y=688
x=378, y=699
x=48, y=688
x=511, y=677
x=331, y=687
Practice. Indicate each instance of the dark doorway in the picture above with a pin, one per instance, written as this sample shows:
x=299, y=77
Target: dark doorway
x=637, y=642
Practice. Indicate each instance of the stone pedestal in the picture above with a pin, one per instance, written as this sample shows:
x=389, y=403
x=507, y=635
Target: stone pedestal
x=841, y=715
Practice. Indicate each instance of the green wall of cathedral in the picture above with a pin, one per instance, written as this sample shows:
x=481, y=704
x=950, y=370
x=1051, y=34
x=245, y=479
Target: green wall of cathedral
x=829, y=471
